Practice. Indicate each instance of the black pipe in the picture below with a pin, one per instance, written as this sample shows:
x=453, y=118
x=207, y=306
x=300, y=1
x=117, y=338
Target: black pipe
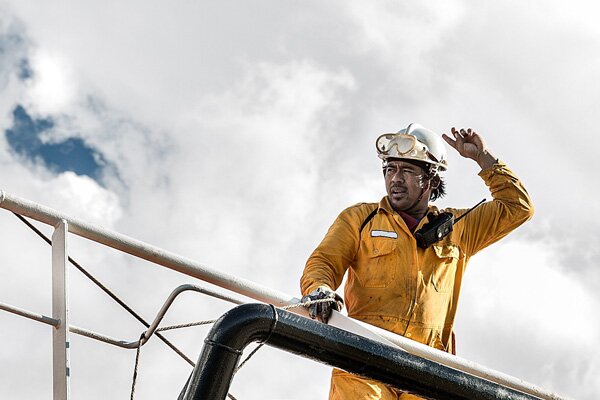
x=247, y=323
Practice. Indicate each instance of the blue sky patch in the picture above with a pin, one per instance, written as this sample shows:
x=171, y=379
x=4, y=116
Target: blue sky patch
x=25, y=72
x=72, y=154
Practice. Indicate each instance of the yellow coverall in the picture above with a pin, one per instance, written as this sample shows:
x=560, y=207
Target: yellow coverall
x=398, y=286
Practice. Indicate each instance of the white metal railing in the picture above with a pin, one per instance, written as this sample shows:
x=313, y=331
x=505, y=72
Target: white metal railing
x=63, y=224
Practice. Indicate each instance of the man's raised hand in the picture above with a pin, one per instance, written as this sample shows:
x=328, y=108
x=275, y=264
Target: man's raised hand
x=469, y=144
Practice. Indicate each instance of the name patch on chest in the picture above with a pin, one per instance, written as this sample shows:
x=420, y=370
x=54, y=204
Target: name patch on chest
x=387, y=234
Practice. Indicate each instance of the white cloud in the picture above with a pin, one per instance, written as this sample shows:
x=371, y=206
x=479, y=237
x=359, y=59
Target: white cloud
x=94, y=202
x=53, y=85
x=13, y=52
x=401, y=34
x=520, y=313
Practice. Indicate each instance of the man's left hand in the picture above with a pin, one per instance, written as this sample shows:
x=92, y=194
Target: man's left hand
x=322, y=310
x=470, y=144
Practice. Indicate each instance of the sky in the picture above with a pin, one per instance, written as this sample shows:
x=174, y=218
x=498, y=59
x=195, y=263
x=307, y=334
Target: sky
x=233, y=133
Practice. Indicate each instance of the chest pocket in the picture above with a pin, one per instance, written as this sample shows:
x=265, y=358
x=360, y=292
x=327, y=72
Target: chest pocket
x=444, y=268
x=378, y=269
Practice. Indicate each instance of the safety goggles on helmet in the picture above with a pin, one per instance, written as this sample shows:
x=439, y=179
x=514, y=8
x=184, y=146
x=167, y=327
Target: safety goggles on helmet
x=413, y=143
x=399, y=144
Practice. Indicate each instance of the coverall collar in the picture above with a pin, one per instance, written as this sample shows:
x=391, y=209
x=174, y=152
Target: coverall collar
x=384, y=204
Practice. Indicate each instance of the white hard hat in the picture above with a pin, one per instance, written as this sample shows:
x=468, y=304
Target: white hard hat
x=413, y=143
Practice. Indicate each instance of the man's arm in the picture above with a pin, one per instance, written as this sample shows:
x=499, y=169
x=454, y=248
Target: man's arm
x=330, y=260
x=511, y=205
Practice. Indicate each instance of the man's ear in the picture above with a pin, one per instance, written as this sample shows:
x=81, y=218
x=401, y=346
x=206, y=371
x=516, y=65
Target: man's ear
x=435, y=182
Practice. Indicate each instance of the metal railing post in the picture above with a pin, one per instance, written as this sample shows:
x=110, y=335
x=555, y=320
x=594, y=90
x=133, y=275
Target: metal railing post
x=60, y=311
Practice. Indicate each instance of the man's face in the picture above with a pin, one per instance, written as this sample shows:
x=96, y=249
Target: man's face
x=405, y=183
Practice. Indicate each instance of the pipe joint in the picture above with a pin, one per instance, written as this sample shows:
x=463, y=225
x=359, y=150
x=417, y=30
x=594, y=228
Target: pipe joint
x=222, y=346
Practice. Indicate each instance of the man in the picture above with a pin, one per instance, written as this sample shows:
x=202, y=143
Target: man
x=395, y=282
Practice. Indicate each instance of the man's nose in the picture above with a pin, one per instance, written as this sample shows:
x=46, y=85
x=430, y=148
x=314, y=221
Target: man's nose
x=397, y=176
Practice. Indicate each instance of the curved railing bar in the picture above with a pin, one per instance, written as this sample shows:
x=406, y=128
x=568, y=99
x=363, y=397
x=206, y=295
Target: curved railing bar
x=154, y=325
x=178, y=290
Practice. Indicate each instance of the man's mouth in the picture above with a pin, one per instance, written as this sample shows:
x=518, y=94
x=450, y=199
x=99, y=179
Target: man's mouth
x=397, y=191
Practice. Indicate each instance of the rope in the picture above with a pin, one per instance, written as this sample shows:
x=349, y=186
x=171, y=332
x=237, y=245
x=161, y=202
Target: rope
x=171, y=327
x=135, y=368
x=108, y=291
x=212, y=321
x=307, y=303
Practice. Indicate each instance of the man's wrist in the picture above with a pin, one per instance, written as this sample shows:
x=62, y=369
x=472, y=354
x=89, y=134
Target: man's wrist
x=485, y=159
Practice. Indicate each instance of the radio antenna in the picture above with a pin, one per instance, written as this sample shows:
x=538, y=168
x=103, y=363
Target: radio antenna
x=468, y=211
